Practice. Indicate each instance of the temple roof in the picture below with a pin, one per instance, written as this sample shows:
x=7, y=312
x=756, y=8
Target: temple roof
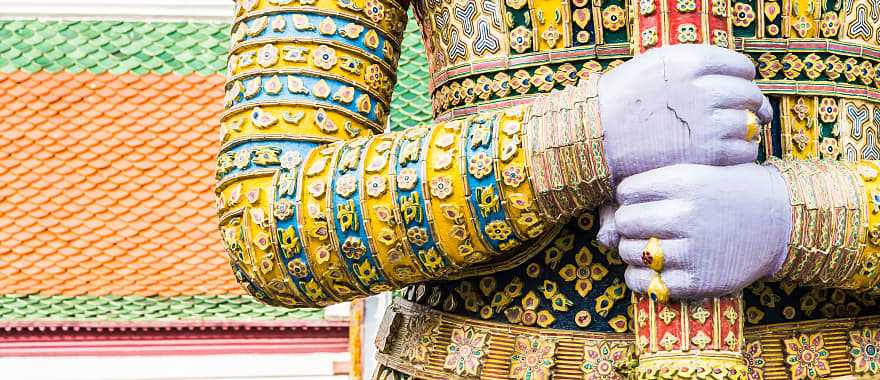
x=107, y=185
x=116, y=47
x=107, y=161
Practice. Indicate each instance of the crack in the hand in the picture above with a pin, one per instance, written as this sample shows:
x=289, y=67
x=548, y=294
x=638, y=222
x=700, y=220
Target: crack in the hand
x=669, y=106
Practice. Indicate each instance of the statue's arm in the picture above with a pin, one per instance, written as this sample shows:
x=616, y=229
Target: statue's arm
x=370, y=214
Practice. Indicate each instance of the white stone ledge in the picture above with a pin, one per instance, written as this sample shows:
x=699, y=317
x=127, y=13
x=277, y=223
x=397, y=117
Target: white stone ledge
x=197, y=367
x=140, y=10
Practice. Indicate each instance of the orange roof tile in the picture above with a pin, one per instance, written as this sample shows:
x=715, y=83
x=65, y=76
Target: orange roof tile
x=106, y=185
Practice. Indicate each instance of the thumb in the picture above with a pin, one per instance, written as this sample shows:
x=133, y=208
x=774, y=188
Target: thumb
x=608, y=235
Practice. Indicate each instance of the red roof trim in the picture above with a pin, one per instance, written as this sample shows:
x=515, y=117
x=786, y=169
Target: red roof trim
x=94, y=340
x=171, y=325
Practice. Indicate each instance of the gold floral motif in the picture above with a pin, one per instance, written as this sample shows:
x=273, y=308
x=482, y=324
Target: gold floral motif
x=267, y=56
x=753, y=355
x=532, y=358
x=466, y=351
x=701, y=340
x=668, y=341
x=700, y=314
x=613, y=18
x=346, y=185
x=407, y=178
x=419, y=335
x=807, y=357
x=603, y=361
x=585, y=272
x=417, y=235
x=480, y=165
x=353, y=248
x=376, y=186
x=520, y=39
x=743, y=15
x=864, y=349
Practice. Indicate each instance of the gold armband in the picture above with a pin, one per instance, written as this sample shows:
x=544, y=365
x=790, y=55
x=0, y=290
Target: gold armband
x=829, y=224
x=564, y=142
x=867, y=273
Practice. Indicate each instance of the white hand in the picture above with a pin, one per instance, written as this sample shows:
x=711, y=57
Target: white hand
x=679, y=104
x=720, y=228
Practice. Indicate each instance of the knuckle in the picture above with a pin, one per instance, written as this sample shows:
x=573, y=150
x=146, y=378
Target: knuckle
x=636, y=278
x=625, y=191
x=627, y=230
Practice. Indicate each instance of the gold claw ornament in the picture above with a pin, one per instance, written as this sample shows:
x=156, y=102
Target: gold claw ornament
x=652, y=257
x=657, y=290
x=753, y=126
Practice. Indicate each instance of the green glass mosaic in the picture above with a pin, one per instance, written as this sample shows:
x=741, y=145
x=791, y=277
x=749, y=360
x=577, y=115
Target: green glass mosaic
x=113, y=46
x=136, y=308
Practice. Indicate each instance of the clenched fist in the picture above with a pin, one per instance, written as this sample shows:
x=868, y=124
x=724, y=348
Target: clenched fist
x=720, y=228
x=680, y=104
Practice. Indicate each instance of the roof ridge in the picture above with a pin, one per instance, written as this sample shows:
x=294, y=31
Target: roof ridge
x=128, y=311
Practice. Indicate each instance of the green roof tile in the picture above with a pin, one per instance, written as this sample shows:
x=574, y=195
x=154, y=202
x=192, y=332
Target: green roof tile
x=411, y=104
x=101, y=46
x=33, y=308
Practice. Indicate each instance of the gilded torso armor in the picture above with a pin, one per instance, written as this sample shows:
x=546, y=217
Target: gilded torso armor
x=818, y=62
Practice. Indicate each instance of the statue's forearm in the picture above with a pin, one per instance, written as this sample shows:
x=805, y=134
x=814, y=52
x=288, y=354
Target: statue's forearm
x=834, y=234
x=370, y=214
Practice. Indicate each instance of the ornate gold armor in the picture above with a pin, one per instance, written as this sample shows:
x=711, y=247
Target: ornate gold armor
x=310, y=83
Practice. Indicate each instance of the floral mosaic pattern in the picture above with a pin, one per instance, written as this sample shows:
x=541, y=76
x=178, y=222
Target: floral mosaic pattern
x=419, y=335
x=602, y=361
x=865, y=351
x=466, y=352
x=753, y=355
x=807, y=357
x=532, y=358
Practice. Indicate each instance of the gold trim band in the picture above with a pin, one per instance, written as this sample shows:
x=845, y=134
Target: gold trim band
x=416, y=339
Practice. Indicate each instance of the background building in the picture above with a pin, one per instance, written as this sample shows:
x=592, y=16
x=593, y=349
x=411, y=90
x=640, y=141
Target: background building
x=110, y=263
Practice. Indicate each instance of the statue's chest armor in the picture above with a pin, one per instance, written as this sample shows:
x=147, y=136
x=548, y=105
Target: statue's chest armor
x=496, y=52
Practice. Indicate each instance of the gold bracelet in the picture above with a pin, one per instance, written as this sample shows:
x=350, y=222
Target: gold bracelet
x=828, y=208
x=796, y=200
x=565, y=151
x=866, y=274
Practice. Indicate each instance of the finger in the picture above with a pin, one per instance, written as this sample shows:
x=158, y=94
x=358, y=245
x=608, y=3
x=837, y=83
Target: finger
x=638, y=278
x=733, y=124
x=736, y=152
x=681, y=285
x=725, y=62
x=679, y=282
x=765, y=113
x=731, y=92
x=674, y=252
x=685, y=284
x=607, y=234
x=665, y=219
x=654, y=185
